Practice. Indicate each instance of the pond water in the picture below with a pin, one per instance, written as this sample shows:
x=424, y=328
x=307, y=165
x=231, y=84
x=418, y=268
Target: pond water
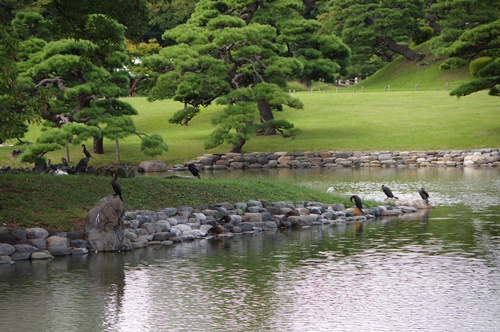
x=436, y=271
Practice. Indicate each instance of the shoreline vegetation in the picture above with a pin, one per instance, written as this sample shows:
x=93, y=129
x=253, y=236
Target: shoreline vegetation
x=62, y=202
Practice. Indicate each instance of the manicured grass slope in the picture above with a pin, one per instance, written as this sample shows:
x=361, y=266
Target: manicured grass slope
x=369, y=121
x=62, y=202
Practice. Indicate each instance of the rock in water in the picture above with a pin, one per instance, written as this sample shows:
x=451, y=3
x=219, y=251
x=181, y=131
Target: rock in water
x=104, y=225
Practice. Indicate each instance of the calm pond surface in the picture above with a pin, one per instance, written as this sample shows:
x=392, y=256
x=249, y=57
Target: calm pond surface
x=436, y=271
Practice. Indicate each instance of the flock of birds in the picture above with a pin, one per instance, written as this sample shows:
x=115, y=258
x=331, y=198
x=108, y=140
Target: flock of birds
x=388, y=192
x=217, y=227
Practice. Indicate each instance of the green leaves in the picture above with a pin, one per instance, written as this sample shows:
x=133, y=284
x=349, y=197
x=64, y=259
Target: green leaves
x=153, y=145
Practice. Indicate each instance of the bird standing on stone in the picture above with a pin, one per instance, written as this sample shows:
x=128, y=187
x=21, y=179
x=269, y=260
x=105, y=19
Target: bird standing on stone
x=423, y=193
x=192, y=168
x=216, y=228
x=86, y=152
x=116, y=186
x=357, y=201
x=388, y=192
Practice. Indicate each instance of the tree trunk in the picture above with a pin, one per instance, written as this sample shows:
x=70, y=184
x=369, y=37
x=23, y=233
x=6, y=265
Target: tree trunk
x=238, y=145
x=403, y=50
x=117, y=149
x=98, y=145
x=266, y=114
x=431, y=18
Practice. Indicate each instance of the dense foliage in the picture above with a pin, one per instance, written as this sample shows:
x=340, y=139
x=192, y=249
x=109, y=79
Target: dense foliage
x=67, y=62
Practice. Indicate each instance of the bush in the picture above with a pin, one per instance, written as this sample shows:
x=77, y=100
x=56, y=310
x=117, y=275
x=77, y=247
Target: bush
x=453, y=63
x=424, y=34
x=476, y=65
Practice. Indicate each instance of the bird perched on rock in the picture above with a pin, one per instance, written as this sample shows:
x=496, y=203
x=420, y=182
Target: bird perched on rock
x=225, y=219
x=388, y=192
x=192, y=168
x=216, y=228
x=86, y=152
x=52, y=166
x=423, y=193
x=116, y=186
x=357, y=201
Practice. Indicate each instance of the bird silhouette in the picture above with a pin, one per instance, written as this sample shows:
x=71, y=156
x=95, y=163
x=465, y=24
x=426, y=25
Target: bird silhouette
x=216, y=228
x=388, y=192
x=357, y=201
x=192, y=168
x=116, y=186
x=423, y=193
x=86, y=152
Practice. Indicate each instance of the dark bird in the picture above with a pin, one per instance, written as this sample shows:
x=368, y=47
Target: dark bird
x=192, y=168
x=65, y=162
x=116, y=186
x=423, y=193
x=86, y=152
x=52, y=166
x=216, y=228
x=357, y=201
x=388, y=192
x=225, y=219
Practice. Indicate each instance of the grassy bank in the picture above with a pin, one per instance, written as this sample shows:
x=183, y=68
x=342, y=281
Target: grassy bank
x=369, y=121
x=62, y=202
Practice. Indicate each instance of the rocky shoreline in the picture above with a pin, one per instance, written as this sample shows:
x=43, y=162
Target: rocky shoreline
x=174, y=225
x=489, y=157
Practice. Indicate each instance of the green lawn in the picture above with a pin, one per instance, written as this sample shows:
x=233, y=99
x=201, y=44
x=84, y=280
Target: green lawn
x=369, y=121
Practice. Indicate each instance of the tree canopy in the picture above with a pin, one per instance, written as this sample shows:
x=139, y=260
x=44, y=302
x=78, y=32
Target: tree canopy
x=375, y=30
x=243, y=52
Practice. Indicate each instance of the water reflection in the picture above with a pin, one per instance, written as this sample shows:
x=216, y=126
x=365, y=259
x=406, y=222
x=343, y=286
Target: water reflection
x=434, y=271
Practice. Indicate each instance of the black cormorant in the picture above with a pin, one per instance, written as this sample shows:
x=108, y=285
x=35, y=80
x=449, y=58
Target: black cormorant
x=192, y=168
x=116, y=186
x=388, y=192
x=357, y=201
x=423, y=193
x=52, y=166
x=216, y=228
x=86, y=152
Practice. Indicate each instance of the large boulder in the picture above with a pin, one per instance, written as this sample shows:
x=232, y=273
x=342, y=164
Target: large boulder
x=417, y=203
x=104, y=225
x=153, y=166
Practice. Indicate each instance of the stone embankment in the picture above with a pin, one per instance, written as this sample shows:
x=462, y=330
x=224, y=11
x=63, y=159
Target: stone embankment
x=173, y=225
x=439, y=158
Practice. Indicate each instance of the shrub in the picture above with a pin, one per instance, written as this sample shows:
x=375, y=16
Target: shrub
x=476, y=65
x=453, y=63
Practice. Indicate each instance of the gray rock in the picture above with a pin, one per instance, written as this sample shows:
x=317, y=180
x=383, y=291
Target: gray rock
x=21, y=256
x=59, y=251
x=25, y=248
x=153, y=166
x=6, y=260
x=181, y=228
x=162, y=236
x=79, y=251
x=6, y=249
x=39, y=243
x=79, y=243
x=104, y=225
x=8, y=238
x=57, y=241
x=37, y=233
x=20, y=234
x=41, y=255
